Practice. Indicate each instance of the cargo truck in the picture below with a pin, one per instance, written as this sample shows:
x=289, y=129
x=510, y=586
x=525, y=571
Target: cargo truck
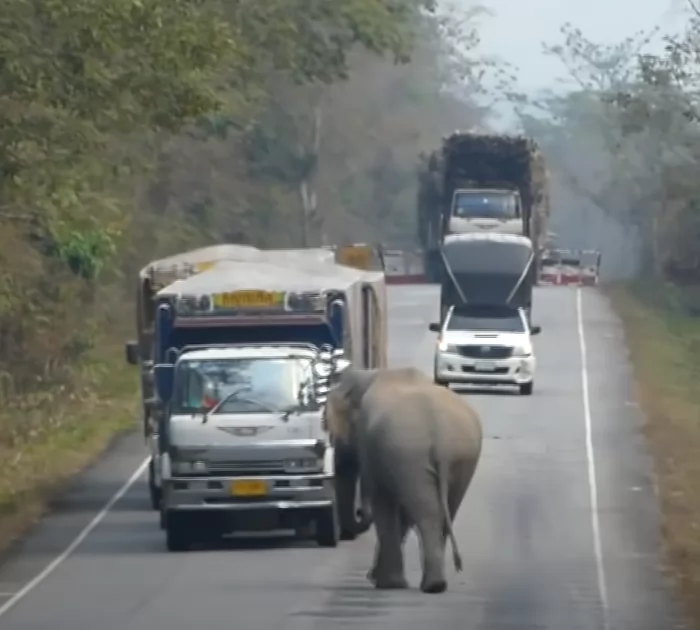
x=481, y=183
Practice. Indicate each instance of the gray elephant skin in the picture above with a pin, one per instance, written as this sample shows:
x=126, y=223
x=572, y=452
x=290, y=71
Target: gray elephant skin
x=418, y=446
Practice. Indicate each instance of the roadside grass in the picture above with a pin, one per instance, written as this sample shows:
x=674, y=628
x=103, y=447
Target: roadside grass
x=47, y=439
x=664, y=345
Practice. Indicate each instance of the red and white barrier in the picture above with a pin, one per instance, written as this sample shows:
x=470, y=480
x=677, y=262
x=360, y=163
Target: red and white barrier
x=572, y=273
x=403, y=266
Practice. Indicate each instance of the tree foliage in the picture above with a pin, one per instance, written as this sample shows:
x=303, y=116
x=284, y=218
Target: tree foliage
x=133, y=128
x=626, y=139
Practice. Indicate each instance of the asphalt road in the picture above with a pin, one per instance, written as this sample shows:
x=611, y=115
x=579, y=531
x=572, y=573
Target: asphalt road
x=537, y=556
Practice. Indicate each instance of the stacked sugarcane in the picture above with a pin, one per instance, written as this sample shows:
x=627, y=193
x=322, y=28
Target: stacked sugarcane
x=468, y=159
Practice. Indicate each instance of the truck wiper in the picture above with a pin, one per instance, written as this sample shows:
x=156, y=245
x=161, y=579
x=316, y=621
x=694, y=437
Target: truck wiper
x=231, y=396
x=290, y=410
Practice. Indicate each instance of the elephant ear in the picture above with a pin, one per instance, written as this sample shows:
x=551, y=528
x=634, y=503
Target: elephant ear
x=344, y=399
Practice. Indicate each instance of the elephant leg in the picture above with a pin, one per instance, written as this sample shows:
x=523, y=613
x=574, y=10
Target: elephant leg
x=404, y=527
x=388, y=569
x=430, y=532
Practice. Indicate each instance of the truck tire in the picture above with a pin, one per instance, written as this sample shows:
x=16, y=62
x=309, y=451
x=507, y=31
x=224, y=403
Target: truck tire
x=328, y=526
x=177, y=532
x=153, y=490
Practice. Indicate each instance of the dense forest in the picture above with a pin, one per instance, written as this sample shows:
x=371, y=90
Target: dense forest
x=131, y=129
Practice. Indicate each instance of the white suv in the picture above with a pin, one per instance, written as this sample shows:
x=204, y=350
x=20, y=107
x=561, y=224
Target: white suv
x=485, y=345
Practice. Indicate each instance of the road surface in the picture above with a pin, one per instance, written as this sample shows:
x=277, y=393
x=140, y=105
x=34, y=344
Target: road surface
x=537, y=556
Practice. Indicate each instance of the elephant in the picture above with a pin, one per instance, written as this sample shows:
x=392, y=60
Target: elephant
x=418, y=446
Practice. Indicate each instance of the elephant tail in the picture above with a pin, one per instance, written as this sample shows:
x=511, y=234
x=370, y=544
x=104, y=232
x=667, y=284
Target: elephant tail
x=442, y=483
x=456, y=556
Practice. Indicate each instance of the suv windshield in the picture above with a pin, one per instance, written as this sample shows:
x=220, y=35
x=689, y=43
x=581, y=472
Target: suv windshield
x=485, y=205
x=500, y=320
x=245, y=385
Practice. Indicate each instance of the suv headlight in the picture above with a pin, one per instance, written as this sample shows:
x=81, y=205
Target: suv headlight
x=304, y=464
x=189, y=468
x=522, y=351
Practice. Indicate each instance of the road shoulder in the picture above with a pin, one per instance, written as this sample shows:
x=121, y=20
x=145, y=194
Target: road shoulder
x=70, y=513
x=663, y=406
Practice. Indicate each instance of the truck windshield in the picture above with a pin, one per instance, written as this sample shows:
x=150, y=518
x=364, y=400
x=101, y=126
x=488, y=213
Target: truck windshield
x=486, y=319
x=245, y=385
x=476, y=204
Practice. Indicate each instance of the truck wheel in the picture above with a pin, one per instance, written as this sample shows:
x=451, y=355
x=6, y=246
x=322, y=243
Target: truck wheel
x=154, y=491
x=177, y=536
x=328, y=527
x=526, y=388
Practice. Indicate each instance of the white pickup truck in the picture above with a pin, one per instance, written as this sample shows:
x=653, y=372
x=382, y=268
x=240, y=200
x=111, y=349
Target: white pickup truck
x=243, y=442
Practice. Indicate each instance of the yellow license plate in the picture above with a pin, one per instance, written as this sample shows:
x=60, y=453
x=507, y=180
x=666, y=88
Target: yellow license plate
x=249, y=488
x=248, y=299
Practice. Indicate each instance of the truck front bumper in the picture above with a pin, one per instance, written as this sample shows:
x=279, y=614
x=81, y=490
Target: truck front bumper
x=237, y=494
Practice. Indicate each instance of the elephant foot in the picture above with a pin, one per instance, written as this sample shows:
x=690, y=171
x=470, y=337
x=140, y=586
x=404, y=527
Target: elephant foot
x=437, y=586
x=394, y=582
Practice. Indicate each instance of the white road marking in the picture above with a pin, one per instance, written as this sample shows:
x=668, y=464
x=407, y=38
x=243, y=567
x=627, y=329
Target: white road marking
x=87, y=530
x=590, y=457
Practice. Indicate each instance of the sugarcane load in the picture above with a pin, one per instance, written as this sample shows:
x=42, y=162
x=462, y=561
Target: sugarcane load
x=481, y=183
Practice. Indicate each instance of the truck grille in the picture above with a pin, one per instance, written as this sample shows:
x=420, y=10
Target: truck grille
x=250, y=468
x=486, y=352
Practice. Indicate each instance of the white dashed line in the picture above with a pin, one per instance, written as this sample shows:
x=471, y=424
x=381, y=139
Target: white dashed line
x=86, y=531
x=590, y=457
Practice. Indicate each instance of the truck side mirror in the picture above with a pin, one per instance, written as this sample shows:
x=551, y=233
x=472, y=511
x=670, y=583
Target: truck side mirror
x=163, y=376
x=434, y=327
x=340, y=365
x=535, y=330
x=132, y=352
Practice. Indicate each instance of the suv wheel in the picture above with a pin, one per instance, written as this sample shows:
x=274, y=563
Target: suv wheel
x=526, y=388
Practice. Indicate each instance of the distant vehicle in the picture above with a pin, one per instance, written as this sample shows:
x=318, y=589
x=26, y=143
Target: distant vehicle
x=481, y=183
x=485, y=344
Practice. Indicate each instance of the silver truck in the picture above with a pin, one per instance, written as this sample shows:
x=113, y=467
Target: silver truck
x=245, y=444
x=159, y=274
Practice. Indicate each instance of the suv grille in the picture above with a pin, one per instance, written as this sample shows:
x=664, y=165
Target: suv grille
x=486, y=352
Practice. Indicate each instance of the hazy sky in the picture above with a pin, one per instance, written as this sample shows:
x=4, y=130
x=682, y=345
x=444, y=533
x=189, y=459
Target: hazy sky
x=517, y=28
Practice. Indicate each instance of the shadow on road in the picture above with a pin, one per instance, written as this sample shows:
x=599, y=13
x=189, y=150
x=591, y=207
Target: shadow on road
x=480, y=390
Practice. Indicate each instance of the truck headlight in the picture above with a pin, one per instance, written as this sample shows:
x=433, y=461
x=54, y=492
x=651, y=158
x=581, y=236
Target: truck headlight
x=522, y=351
x=305, y=464
x=447, y=347
x=189, y=468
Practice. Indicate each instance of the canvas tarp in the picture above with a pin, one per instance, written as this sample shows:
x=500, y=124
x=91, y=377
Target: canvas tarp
x=487, y=269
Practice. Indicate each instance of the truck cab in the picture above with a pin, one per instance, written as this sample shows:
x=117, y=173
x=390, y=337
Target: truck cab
x=486, y=210
x=243, y=441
